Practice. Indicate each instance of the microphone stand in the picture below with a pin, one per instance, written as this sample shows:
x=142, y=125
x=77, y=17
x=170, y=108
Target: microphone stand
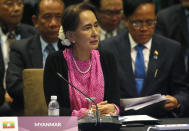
x=106, y=122
x=97, y=111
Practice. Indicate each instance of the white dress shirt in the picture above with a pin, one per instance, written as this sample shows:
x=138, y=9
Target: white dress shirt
x=6, y=51
x=146, y=52
x=5, y=47
x=44, y=51
x=103, y=34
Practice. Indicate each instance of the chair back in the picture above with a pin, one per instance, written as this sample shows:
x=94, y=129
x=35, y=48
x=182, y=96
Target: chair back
x=34, y=99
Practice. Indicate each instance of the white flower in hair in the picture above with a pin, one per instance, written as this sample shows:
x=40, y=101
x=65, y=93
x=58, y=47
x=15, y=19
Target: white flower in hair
x=62, y=37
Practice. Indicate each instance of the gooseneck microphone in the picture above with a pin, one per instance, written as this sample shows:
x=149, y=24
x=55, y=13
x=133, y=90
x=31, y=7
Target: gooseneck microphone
x=97, y=111
x=110, y=123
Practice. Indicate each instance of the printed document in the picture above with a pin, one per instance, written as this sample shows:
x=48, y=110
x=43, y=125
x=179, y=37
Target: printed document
x=141, y=102
x=137, y=118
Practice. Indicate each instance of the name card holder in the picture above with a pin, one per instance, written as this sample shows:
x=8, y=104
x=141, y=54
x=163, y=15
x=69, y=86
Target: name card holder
x=39, y=123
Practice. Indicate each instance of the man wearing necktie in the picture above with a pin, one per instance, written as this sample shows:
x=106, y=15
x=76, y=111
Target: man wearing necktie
x=148, y=63
x=139, y=68
x=10, y=30
x=32, y=52
x=110, y=14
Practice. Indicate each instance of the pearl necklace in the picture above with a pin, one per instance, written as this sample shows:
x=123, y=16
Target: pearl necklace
x=83, y=72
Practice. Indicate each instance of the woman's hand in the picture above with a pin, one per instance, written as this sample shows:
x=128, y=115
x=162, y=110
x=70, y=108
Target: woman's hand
x=171, y=103
x=104, y=108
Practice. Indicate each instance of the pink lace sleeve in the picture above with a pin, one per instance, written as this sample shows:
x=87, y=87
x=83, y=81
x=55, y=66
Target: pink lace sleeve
x=79, y=113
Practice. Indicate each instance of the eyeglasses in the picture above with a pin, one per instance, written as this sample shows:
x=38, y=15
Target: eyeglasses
x=11, y=4
x=111, y=12
x=137, y=24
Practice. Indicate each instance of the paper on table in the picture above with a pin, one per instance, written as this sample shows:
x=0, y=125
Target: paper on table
x=136, y=118
x=141, y=102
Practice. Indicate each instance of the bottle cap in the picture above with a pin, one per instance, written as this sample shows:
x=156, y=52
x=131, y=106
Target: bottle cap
x=53, y=97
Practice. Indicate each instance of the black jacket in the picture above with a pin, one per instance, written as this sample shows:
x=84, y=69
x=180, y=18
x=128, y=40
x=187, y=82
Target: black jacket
x=53, y=85
x=169, y=79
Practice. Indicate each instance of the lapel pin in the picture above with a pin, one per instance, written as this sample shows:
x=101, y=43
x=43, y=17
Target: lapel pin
x=156, y=53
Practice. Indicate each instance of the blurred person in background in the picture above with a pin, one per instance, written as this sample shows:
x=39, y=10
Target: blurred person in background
x=161, y=4
x=109, y=14
x=11, y=29
x=173, y=23
x=33, y=51
x=29, y=10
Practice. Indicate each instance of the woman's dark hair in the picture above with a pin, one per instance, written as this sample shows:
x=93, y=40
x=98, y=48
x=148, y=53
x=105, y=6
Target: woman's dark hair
x=70, y=19
x=130, y=6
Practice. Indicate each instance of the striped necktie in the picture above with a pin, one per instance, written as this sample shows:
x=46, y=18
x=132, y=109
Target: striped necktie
x=108, y=35
x=11, y=37
x=50, y=48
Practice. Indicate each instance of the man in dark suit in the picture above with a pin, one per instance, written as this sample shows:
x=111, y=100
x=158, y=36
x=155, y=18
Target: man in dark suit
x=32, y=52
x=109, y=13
x=173, y=23
x=157, y=67
x=10, y=30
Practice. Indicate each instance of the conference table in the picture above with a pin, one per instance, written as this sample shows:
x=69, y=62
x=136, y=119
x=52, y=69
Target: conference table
x=46, y=123
x=162, y=121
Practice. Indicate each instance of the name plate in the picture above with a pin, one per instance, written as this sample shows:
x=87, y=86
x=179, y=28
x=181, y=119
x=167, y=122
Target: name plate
x=38, y=124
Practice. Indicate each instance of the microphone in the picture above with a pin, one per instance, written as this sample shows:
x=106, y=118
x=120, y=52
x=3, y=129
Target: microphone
x=89, y=123
x=97, y=111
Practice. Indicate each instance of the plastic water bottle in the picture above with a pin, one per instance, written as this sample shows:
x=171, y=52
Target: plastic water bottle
x=53, y=107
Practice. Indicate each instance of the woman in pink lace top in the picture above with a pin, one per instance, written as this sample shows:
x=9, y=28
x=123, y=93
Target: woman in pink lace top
x=93, y=71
